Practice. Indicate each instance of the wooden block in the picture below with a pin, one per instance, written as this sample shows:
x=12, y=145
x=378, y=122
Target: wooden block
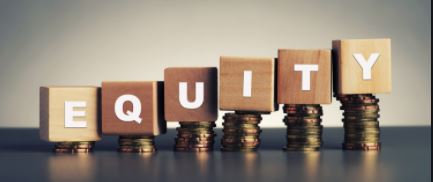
x=352, y=78
x=247, y=84
x=304, y=76
x=69, y=114
x=191, y=94
x=133, y=108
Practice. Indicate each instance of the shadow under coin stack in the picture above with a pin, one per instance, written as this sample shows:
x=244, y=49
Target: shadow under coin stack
x=136, y=144
x=74, y=147
x=241, y=131
x=361, y=124
x=304, y=129
x=195, y=137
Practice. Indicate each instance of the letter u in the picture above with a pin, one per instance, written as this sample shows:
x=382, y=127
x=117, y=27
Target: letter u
x=183, y=95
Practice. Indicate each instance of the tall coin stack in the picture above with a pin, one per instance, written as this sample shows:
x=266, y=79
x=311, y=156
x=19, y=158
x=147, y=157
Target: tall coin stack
x=304, y=129
x=241, y=131
x=136, y=144
x=361, y=124
x=195, y=137
x=74, y=147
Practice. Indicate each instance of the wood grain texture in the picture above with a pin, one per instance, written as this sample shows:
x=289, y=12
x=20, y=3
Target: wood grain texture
x=150, y=95
x=290, y=81
x=52, y=114
x=174, y=111
x=231, y=84
x=348, y=73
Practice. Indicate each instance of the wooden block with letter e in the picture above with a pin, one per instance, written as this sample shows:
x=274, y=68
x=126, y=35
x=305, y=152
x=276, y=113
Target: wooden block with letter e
x=69, y=114
x=133, y=108
x=362, y=66
x=247, y=84
x=191, y=94
x=304, y=76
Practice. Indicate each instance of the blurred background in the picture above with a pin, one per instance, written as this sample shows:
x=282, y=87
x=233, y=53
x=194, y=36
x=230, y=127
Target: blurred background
x=84, y=42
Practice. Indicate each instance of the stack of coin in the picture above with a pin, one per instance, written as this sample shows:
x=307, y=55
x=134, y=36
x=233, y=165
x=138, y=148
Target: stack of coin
x=195, y=136
x=74, y=147
x=304, y=129
x=241, y=131
x=361, y=124
x=136, y=144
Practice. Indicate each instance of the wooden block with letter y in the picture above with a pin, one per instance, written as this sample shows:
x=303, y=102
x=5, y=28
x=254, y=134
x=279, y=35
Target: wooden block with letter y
x=69, y=114
x=133, y=108
x=304, y=76
x=362, y=66
x=191, y=94
x=247, y=84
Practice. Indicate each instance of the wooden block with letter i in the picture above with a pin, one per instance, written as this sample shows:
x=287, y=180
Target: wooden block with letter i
x=69, y=114
x=304, y=76
x=191, y=94
x=133, y=108
x=247, y=84
x=362, y=66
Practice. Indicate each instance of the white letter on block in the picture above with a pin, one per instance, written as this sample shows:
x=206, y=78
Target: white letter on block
x=366, y=65
x=248, y=78
x=183, y=95
x=70, y=114
x=306, y=74
x=129, y=116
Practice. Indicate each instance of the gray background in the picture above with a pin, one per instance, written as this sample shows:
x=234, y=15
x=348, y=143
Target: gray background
x=85, y=42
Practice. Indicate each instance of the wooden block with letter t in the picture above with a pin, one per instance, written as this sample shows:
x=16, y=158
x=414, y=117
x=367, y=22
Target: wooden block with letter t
x=69, y=114
x=304, y=76
x=191, y=94
x=362, y=66
x=247, y=84
x=133, y=108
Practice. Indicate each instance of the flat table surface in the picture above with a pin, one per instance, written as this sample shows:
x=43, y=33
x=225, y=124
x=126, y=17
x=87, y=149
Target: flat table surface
x=405, y=156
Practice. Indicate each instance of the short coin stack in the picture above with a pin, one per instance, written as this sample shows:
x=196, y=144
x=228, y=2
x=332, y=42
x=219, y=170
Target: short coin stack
x=241, y=131
x=195, y=137
x=361, y=125
x=136, y=144
x=304, y=129
x=74, y=147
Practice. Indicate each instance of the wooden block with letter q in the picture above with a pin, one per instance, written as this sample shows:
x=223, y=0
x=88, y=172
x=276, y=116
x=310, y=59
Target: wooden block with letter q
x=191, y=94
x=247, y=84
x=304, y=76
x=69, y=114
x=362, y=66
x=133, y=108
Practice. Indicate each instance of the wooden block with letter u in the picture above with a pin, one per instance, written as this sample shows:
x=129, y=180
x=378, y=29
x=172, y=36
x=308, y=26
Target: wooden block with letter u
x=69, y=114
x=191, y=94
x=362, y=66
x=247, y=84
x=304, y=76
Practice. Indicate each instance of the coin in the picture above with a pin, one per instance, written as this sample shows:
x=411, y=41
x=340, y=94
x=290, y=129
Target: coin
x=304, y=129
x=144, y=150
x=195, y=136
x=136, y=144
x=74, y=147
x=361, y=125
x=241, y=131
